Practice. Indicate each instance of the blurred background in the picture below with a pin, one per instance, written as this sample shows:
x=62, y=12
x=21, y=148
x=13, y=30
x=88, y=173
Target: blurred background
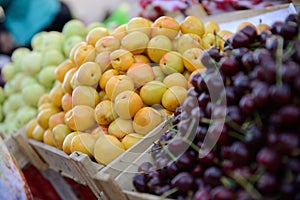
x=95, y=10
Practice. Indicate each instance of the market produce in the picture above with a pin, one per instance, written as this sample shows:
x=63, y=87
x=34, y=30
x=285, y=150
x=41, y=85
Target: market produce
x=236, y=136
x=33, y=73
x=125, y=81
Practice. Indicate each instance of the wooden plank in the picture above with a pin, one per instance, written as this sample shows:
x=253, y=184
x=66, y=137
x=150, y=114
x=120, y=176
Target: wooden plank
x=231, y=16
x=124, y=182
x=57, y=160
x=124, y=160
x=34, y=158
x=124, y=179
x=87, y=169
x=84, y=161
x=121, y=171
x=110, y=188
x=17, y=152
x=117, y=176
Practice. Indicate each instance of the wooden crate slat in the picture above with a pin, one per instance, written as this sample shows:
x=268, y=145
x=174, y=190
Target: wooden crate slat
x=110, y=187
x=84, y=160
x=34, y=158
x=16, y=151
x=87, y=168
x=241, y=14
x=57, y=160
x=121, y=171
x=124, y=179
x=124, y=160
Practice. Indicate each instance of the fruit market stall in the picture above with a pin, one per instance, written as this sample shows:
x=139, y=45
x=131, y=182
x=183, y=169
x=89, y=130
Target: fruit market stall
x=175, y=107
x=255, y=136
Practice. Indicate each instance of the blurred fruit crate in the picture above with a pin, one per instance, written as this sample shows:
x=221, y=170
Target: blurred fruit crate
x=28, y=160
x=115, y=179
x=79, y=166
x=231, y=20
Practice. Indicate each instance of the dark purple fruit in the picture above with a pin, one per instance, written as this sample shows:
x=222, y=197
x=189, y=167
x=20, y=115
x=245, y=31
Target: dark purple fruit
x=144, y=167
x=212, y=176
x=184, y=182
x=202, y=194
x=250, y=31
x=240, y=40
x=222, y=193
x=290, y=114
x=240, y=154
x=269, y=158
x=280, y=94
x=267, y=183
x=139, y=182
x=247, y=104
x=185, y=162
x=229, y=65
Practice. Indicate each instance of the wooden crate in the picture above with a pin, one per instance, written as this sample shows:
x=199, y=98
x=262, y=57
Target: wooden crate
x=123, y=161
x=121, y=187
x=79, y=166
x=26, y=151
x=116, y=178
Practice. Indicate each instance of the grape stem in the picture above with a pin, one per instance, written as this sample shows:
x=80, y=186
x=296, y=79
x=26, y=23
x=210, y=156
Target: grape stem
x=168, y=193
x=279, y=54
x=236, y=127
x=236, y=135
x=185, y=139
x=170, y=124
x=247, y=186
x=290, y=50
x=257, y=119
x=255, y=177
x=227, y=182
x=254, y=45
x=173, y=158
x=217, y=35
x=195, y=147
x=155, y=149
x=205, y=120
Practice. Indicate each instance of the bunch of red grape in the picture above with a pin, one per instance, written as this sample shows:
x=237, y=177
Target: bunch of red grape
x=237, y=135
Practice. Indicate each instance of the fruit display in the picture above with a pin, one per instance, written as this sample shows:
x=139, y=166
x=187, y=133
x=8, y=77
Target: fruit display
x=118, y=85
x=236, y=136
x=153, y=9
x=31, y=73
